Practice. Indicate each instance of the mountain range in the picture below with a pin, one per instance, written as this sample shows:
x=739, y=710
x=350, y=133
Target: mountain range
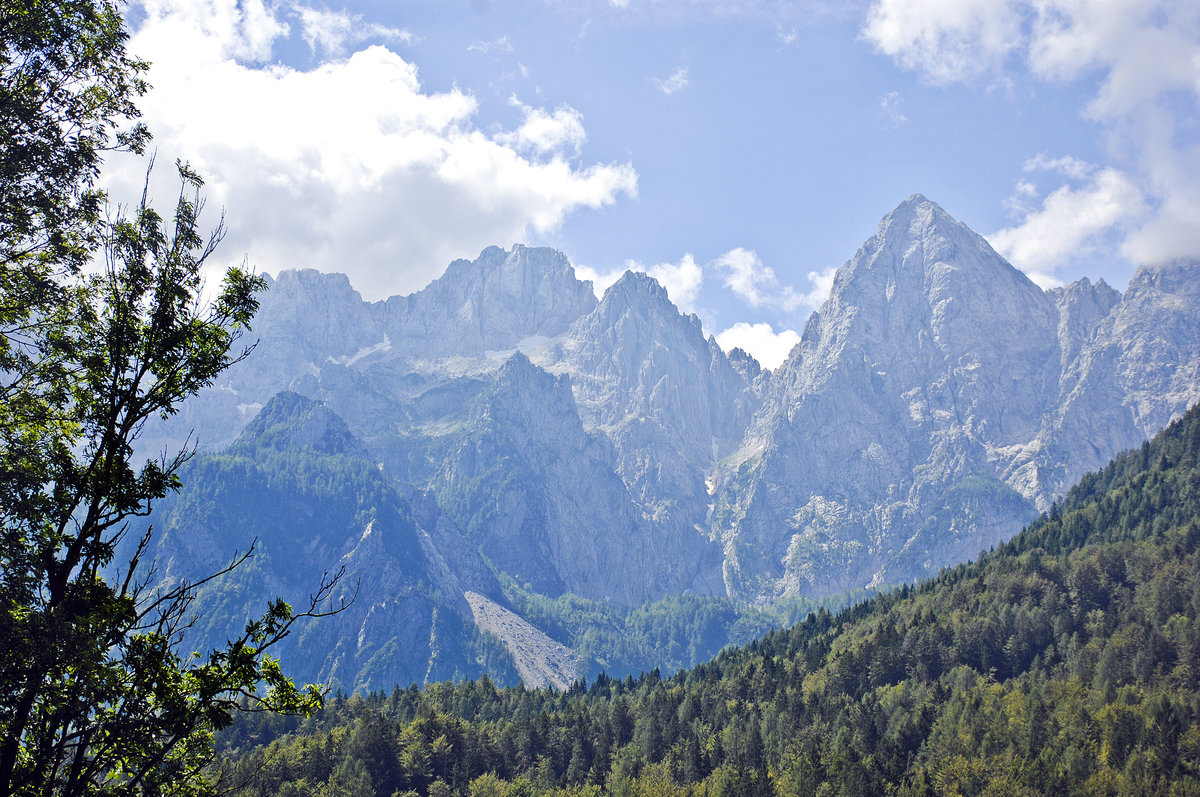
x=1061, y=663
x=504, y=441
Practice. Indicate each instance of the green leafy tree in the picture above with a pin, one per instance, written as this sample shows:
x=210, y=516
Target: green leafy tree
x=67, y=94
x=104, y=327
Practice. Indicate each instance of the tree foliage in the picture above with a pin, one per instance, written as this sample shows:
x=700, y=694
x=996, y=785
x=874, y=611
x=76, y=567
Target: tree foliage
x=67, y=94
x=104, y=327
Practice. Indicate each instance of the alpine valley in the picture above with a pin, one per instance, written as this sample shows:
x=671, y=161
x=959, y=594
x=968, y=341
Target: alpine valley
x=525, y=481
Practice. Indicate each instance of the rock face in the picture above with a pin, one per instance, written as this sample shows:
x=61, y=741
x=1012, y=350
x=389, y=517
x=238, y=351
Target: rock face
x=913, y=377
x=492, y=303
x=526, y=434
x=1131, y=378
x=301, y=487
x=521, y=481
x=936, y=401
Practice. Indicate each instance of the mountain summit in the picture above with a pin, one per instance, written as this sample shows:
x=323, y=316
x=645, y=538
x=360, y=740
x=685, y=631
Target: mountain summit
x=910, y=426
x=543, y=447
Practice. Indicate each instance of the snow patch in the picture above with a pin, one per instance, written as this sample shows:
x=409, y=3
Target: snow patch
x=366, y=351
x=250, y=409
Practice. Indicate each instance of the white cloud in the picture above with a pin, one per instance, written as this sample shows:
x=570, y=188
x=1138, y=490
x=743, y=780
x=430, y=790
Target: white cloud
x=1142, y=47
x=1144, y=57
x=682, y=280
x=1071, y=222
x=333, y=32
x=601, y=280
x=822, y=284
x=947, y=40
x=676, y=82
x=218, y=29
x=545, y=132
x=760, y=341
x=1174, y=228
x=351, y=166
x=1067, y=166
x=748, y=277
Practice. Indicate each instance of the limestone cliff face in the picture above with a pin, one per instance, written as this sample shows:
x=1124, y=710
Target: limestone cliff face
x=672, y=405
x=1136, y=371
x=554, y=490
x=491, y=303
x=936, y=401
x=315, y=328
x=930, y=362
x=524, y=430
x=538, y=495
x=647, y=377
x=300, y=487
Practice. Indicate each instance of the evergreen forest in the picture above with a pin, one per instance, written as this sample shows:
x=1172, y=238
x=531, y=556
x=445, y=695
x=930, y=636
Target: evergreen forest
x=1065, y=662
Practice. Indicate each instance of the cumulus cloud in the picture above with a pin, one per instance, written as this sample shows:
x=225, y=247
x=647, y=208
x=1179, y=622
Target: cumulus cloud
x=682, y=280
x=545, y=132
x=822, y=284
x=333, y=32
x=1071, y=223
x=761, y=341
x=350, y=166
x=676, y=82
x=1144, y=57
x=947, y=40
x=748, y=277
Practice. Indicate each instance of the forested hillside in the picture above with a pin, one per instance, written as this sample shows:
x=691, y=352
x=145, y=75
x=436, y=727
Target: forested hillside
x=1065, y=662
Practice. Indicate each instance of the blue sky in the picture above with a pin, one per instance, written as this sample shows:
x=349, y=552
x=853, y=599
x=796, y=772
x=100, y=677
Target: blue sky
x=738, y=150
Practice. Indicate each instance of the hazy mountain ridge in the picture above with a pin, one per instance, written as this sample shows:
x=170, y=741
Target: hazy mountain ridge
x=1064, y=663
x=302, y=488
x=937, y=400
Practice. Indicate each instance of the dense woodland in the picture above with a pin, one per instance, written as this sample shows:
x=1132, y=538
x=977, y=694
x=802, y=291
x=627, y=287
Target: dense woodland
x=1065, y=662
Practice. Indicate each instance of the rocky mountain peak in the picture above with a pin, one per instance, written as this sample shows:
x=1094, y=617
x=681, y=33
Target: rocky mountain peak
x=638, y=288
x=612, y=450
x=305, y=282
x=742, y=362
x=493, y=302
x=922, y=299
x=1180, y=276
x=520, y=377
x=291, y=422
x=322, y=314
x=637, y=311
x=1081, y=306
x=921, y=249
